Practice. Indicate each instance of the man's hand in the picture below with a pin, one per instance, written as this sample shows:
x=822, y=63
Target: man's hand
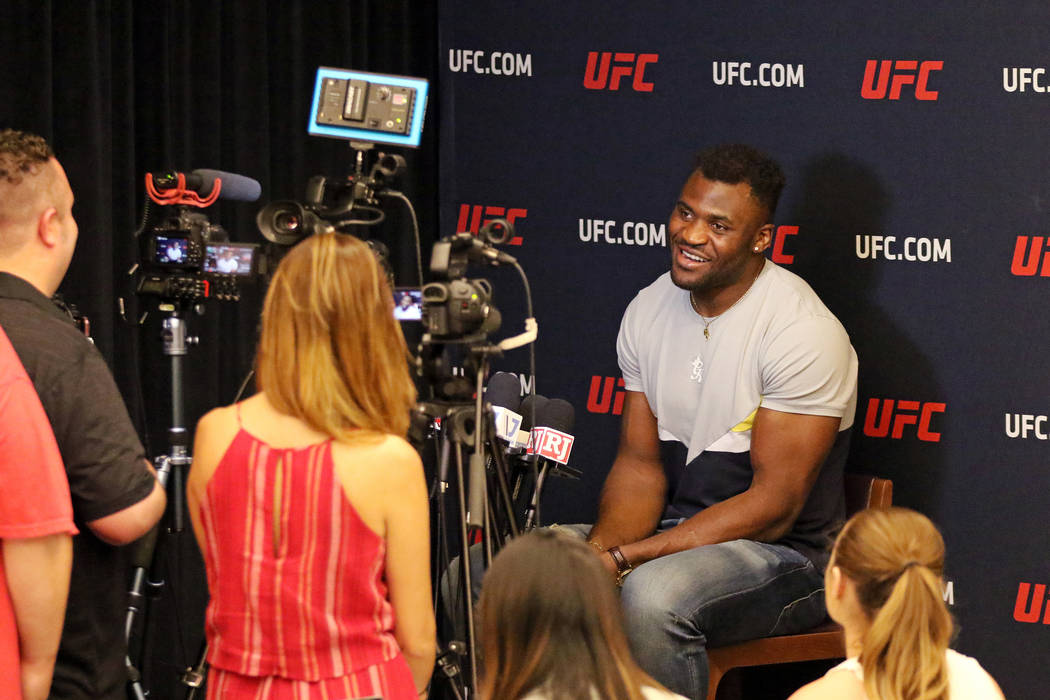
x=608, y=563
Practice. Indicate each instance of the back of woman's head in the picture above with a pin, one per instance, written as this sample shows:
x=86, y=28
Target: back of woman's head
x=331, y=352
x=895, y=558
x=551, y=620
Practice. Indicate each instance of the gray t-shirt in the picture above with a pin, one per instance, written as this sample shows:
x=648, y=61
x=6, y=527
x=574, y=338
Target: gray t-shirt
x=778, y=347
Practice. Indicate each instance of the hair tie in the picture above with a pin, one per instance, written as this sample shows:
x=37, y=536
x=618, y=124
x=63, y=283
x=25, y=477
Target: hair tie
x=908, y=566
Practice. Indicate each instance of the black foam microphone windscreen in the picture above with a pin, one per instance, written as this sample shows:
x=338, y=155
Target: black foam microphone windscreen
x=531, y=405
x=504, y=389
x=558, y=414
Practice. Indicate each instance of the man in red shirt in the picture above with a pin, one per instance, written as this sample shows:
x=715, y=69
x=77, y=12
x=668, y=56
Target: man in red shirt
x=36, y=524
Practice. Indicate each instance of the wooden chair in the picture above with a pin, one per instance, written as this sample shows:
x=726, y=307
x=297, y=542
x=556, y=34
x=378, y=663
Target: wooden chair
x=823, y=642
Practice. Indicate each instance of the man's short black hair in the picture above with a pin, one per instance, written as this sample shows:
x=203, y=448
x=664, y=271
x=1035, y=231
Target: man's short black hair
x=21, y=154
x=734, y=163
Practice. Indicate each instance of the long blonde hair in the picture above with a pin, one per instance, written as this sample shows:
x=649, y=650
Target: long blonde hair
x=895, y=557
x=551, y=621
x=331, y=352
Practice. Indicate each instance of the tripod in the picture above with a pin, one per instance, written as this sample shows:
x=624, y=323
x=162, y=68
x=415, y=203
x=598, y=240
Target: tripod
x=488, y=514
x=170, y=468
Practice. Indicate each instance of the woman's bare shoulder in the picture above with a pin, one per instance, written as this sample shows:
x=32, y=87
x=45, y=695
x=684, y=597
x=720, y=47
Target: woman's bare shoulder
x=836, y=685
x=385, y=457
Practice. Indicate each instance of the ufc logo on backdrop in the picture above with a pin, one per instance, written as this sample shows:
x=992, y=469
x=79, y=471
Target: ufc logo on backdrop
x=470, y=218
x=609, y=69
x=1027, y=257
x=1031, y=600
x=878, y=75
x=895, y=416
x=605, y=393
x=779, y=236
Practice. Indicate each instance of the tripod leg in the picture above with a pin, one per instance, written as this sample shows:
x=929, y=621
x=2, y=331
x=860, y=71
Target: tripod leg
x=143, y=558
x=193, y=678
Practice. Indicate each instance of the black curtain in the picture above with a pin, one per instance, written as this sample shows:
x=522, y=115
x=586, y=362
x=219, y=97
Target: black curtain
x=121, y=88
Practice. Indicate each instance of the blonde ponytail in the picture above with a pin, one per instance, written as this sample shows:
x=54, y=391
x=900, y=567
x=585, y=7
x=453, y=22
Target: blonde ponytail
x=895, y=557
x=903, y=653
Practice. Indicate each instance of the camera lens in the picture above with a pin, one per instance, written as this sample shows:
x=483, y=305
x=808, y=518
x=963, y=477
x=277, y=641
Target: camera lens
x=284, y=222
x=287, y=222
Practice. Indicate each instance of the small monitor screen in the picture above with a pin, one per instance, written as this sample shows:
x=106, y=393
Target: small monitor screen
x=408, y=304
x=229, y=259
x=368, y=107
x=170, y=250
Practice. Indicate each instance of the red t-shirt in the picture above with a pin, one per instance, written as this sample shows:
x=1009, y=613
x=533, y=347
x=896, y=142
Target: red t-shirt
x=34, y=493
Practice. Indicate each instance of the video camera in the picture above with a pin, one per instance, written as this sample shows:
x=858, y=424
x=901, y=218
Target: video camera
x=188, y=259
x=365, y=109
x=457, y=309
x=458, y=313
x=330, y=205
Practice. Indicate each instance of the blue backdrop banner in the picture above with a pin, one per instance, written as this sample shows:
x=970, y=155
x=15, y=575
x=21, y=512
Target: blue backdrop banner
x=913, y=139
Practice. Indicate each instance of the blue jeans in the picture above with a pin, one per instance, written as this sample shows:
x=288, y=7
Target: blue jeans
x=676, y=606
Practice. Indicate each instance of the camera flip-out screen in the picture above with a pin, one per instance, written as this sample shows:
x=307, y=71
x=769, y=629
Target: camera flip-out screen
x=230, y=258
x=371, y=107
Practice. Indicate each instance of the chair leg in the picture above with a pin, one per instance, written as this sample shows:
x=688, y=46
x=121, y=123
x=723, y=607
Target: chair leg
x=714, y=677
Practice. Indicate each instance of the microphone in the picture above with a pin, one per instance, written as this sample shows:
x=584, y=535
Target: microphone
x=560, y=415
x=531, y=407
x=238, y=188
x=504, y=394
x=551, y=438
x=549, y=447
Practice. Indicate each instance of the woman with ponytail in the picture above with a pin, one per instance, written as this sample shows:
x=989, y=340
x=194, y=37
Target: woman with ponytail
x=883, y=585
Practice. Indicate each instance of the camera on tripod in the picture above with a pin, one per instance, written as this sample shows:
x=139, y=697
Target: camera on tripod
x=457, y=309
x=364, y=108
x=458, y=312
x=188, y=259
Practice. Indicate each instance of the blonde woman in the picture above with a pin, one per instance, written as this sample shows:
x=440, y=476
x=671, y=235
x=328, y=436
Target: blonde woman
x=551, y=627
x=309, y=507
x=883, y=585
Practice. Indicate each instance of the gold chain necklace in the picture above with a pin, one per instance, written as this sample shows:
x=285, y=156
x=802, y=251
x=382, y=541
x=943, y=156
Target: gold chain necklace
x=707, y=324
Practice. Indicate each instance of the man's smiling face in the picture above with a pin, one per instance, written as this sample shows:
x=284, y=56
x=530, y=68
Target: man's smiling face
x=714, y=229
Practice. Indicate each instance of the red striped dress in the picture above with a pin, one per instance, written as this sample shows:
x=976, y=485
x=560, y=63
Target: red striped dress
x=299, y=606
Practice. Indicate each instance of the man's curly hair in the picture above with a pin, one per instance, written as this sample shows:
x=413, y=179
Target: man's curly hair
x=735, y=163
x=21, y=154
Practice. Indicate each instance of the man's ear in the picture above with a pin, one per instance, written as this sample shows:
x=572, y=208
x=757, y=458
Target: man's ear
x=763, y=237
x=48, y=229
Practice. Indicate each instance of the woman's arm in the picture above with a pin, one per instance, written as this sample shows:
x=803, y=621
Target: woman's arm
x=408, y=561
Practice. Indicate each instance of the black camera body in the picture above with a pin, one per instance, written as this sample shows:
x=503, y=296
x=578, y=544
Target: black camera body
x=455, y=308
x=458, y=309
x=189, y=259
x=331, y=205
